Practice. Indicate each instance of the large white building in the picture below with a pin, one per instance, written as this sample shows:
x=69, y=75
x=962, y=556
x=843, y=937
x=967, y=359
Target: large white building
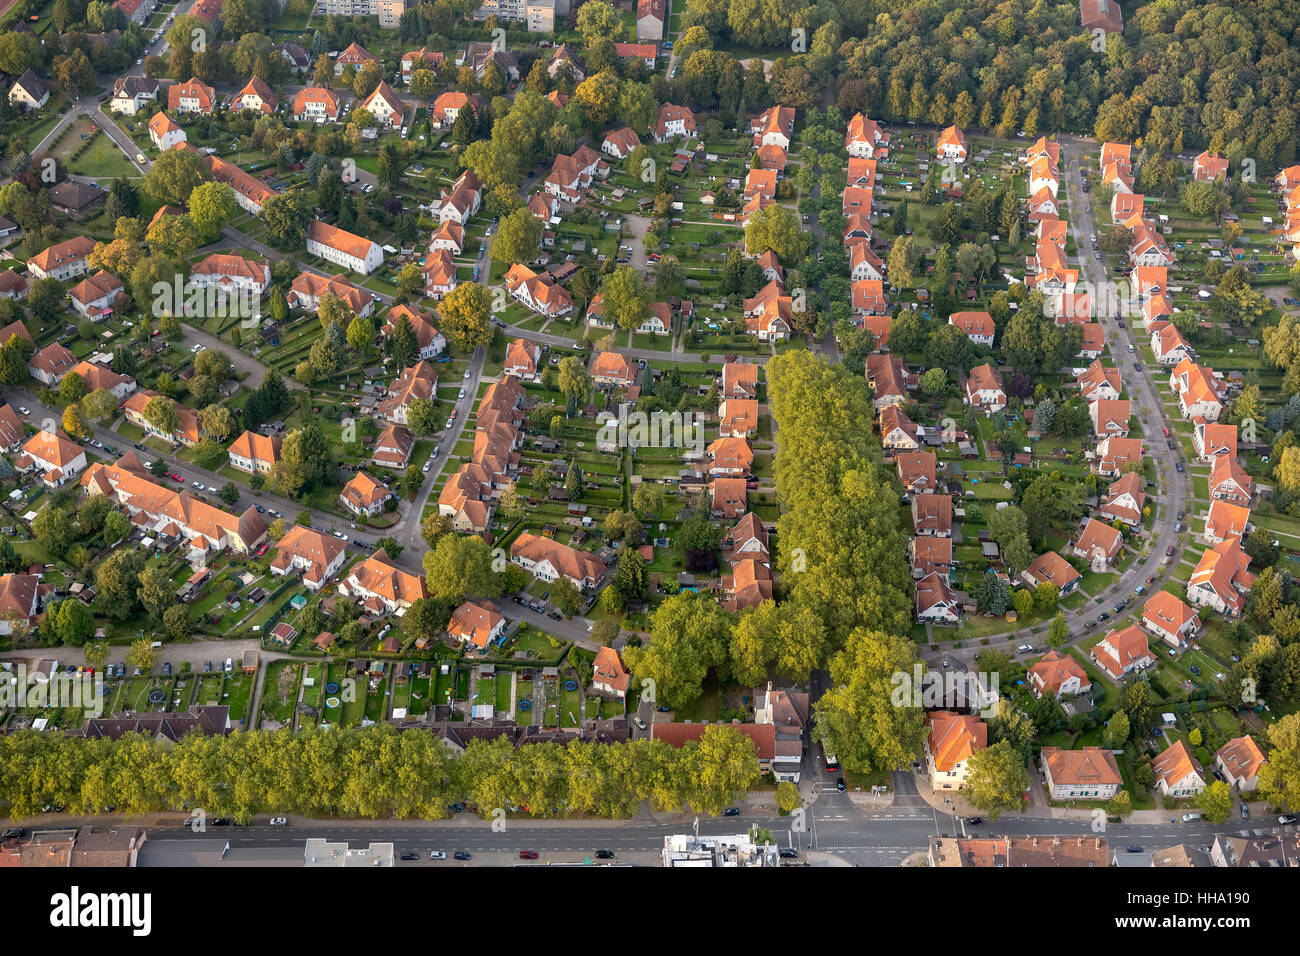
x=389, y=11
x=344, y=248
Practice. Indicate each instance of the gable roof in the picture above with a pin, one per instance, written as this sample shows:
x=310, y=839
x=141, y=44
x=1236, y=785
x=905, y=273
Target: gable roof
x=1090, y=766
x=191, y=89
x=1054, y=669
x=1174, y=764
x=1050, y=566
x=1241, y=757
x=363, y=491
x=1167, y=612
x=350, y=244
x=954, y=737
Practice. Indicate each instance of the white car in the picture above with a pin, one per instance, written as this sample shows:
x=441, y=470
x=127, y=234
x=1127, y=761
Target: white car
x=461, y=395
x=467, y=372
x=427, y=464
x=212, y=489
x=24, y=409
x=196, y=349
x=437, y=855
x=279, y=822
x=448, y=425
x=197, y=484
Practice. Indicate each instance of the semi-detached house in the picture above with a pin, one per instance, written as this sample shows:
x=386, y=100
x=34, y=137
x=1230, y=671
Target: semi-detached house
x=548, y=560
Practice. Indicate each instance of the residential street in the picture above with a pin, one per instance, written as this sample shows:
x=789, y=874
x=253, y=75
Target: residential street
x=1173, y=490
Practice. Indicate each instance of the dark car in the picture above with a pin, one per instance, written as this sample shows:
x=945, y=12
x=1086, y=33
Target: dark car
x=1104, y=616
x=974, y=821
x=731, y=812
x=839, y=784
x=1133, y=849
x=555, y=616
x=461, y=855
x=410, y=855
x=1178, y=465
x=527, y=854
x=604, y=854
x=788, y=854
x=13, y=833
x=1245, y=812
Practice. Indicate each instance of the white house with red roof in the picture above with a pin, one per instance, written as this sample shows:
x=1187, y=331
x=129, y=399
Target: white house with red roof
x=385, y=106
x=1209, y=167
x=673, y=121
x=1171, y=620
x=984, y=389
x=344, y=248
x=192, y=96
x=1123, y=652
x=951, y=145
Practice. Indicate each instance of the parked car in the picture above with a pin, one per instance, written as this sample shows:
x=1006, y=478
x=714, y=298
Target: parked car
x=409, y=855
x=1245, y=811
x=974, y=821
x=437, y=854
x=604, y=854
x=788, y=854
x=279, y=822
x=527, y=854
x=1191, y=817
x=731, y=812
x=462, y=855
x=1285, y=820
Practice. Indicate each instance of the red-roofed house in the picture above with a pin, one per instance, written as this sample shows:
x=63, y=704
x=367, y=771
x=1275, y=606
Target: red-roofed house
x=1209, y=167
x=1220, y=579
x=951, y=740
x=192, y=96
x=1169, y=619
x=1099, y=544
x=978, y=326
x=1058, y=674
x=1122, y=652
x=984, y=389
